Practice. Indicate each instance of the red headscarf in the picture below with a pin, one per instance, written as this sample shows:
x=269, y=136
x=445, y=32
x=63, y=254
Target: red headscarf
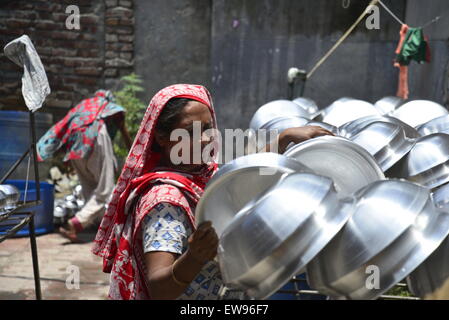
x=118, y=239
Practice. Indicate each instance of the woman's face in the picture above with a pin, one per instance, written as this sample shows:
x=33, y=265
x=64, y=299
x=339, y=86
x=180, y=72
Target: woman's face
x=189, y=137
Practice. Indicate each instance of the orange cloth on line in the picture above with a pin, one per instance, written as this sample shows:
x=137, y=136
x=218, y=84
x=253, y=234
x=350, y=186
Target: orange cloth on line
x=403, y=70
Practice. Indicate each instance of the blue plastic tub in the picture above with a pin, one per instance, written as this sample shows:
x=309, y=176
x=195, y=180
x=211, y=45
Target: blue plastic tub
x=43, y=216
x=15, y=140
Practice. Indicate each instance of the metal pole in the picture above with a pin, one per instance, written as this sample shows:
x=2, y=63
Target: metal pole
x=37, y=280
x=37, y=284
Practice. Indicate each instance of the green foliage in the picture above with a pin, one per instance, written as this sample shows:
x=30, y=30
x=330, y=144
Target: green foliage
x=135, y=109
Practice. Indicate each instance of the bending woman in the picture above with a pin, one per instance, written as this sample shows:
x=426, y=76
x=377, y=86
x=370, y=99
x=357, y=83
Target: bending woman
x=147, y=237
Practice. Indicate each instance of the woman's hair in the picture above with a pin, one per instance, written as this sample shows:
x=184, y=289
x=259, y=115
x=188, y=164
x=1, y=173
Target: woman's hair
x=169, y=117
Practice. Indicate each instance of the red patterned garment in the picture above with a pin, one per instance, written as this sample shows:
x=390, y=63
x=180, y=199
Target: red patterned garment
x=76, y=133
x=119, y=238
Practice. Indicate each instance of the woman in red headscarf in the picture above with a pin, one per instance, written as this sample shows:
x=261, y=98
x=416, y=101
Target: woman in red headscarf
x=147, y=238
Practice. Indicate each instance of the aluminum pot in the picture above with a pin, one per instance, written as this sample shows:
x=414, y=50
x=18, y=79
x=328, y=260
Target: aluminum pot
x=394, y=228
x=418, y=112
x=350, y=166
x=352, y=128
x=345, y=110
x=308, y=105
x=12, y=196
x=278, y=233
x=387, y=105
x=432, y=274
x=427, y=163
x=437, y=125
x=238, y=182
x=385, y=141
x=3, y=200
x=276, y=109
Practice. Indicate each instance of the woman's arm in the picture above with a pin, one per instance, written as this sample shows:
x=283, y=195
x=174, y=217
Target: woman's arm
x=295, y=135
x=169, y=274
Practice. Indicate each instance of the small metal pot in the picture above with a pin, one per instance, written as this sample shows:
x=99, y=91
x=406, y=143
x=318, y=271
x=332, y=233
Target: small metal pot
x=345, y=110
x=418, y=112
x=239, y=182
x=350, y=166
x=12, y=196
x=385, y=141
x=276, y=109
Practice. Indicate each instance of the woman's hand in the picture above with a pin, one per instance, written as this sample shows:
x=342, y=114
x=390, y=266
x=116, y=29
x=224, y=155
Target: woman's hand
x=300, y=134
x=203, y=243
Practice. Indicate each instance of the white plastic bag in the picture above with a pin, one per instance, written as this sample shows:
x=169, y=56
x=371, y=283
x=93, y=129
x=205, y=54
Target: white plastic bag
x=35, y=87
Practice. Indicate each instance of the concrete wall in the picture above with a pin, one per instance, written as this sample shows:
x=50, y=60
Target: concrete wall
x=173, y=41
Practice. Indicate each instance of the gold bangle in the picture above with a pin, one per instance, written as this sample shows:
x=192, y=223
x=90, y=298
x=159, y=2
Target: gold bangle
x=178, y=282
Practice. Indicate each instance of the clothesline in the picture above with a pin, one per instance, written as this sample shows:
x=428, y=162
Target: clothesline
x=434, y=20
x=349, y=31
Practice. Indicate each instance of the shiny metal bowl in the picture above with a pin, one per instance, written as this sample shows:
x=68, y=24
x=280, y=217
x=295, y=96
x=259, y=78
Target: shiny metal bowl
x=308, y=105
x=277, y=234
x=418, y=112
x=394, y=228
x=387, y=105
x=12, y=196
x=2, y=202
x=427, y=163
x=432, y=274
x=438, y=125
x=345, y=110
x=352, y=128
x=350, y=166
x=276, y=109
x=238, y=182
x=441, y=196
x=385, y=141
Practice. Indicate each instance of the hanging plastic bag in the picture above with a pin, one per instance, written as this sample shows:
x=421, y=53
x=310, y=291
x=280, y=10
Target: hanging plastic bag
x=35, y=87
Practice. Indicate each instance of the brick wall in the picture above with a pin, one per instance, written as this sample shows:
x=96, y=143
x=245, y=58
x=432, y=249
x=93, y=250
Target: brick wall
x=77, y=62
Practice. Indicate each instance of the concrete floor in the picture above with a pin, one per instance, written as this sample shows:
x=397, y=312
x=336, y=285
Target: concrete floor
x=56, y=255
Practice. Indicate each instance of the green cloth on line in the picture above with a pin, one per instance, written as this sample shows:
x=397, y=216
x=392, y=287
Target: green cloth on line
x=415, y=47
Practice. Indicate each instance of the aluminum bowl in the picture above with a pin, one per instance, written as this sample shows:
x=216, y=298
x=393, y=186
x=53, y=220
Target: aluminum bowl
x=438, y=125
x=387, y=105
x=238, y=182
x=350, y=166
x=418, y=112
x=386, y=142
x=308, y=105
x=427, y=163
x=432, y=274
x=352, y=128
x=3, y=200
x=394, y=228
x=345, y=110
x=12, y=196
x=276, y=109
x=277, y=234
x=441, y=196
